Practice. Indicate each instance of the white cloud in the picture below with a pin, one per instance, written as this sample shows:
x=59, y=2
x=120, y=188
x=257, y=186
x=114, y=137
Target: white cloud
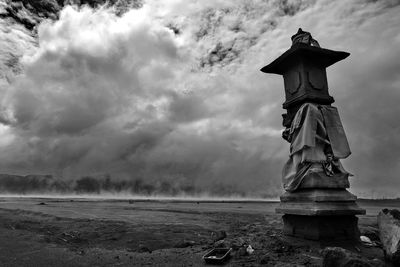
x=173, y=89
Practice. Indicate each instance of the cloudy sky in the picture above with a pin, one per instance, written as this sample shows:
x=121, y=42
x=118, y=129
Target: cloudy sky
x=172, y=91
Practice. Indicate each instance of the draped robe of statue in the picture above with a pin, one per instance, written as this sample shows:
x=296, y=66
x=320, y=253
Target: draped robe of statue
x=317, y=143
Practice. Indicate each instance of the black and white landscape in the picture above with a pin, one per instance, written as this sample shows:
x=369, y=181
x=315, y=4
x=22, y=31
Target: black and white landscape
x=134, y=132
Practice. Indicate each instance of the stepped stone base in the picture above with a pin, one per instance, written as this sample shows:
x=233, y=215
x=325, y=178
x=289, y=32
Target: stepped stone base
x=324, y=228
x=321, y=213
x=319, y=202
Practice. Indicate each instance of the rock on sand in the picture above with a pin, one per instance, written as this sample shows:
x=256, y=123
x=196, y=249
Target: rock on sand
x=339, y=257
x=389, y=233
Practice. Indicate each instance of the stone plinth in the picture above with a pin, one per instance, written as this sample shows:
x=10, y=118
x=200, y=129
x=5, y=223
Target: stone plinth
x=321, y=209
x=328, y=228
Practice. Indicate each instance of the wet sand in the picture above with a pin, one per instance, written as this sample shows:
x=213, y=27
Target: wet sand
x=106, y=232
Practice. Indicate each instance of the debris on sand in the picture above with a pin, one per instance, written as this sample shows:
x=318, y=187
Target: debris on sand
x=221, y=244
x=217, y=255
x=143, y=249
x=244, y=250
x=372, y=233
x=249, y=250
x=42, y=203
x=62, y=239
x=366, y=241
x=281, y=246
x=234, y=243
x=339, y=257
x=218, y=235
x=185, y=244
x=238, y=242
x=72, y=237
x=241, y=252
x=389, y=232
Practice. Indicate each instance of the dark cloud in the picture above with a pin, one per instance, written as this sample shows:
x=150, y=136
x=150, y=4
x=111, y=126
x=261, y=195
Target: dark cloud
x=165, y=108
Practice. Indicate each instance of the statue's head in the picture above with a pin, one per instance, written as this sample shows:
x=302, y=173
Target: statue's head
x=304, y=37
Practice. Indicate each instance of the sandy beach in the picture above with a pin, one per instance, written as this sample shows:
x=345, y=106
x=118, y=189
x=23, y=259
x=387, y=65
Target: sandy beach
x=140, y=232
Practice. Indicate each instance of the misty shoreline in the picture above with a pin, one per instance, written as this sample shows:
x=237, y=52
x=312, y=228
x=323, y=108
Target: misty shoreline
x=166, y=199
x=119, y=198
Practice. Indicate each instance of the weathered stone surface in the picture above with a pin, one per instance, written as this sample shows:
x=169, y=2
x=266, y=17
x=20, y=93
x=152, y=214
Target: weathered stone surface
x=319, y=202
x=321, y=180
x=339, y=257
x=389, y=233
x=333, y=228
x=320, y=208
x=320, y=214
x=318, y=195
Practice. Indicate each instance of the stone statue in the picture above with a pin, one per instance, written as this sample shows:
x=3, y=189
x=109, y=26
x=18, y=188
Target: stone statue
x=316, y=204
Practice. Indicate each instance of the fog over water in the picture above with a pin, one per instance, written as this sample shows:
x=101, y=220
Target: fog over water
x=168, y=99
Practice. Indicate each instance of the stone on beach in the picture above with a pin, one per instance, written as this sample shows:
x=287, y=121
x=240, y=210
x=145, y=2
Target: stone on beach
x=339, y=257
x=370, y=232
x=389, y=232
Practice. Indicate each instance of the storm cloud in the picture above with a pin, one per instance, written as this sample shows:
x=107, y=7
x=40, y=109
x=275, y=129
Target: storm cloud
x=171, y=91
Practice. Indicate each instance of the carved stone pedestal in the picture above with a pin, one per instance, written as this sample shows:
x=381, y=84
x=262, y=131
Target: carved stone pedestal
x=321, y=209
x=329, y=228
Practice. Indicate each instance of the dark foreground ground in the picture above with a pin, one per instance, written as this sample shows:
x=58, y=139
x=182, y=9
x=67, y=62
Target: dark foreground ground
x=94, y=232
